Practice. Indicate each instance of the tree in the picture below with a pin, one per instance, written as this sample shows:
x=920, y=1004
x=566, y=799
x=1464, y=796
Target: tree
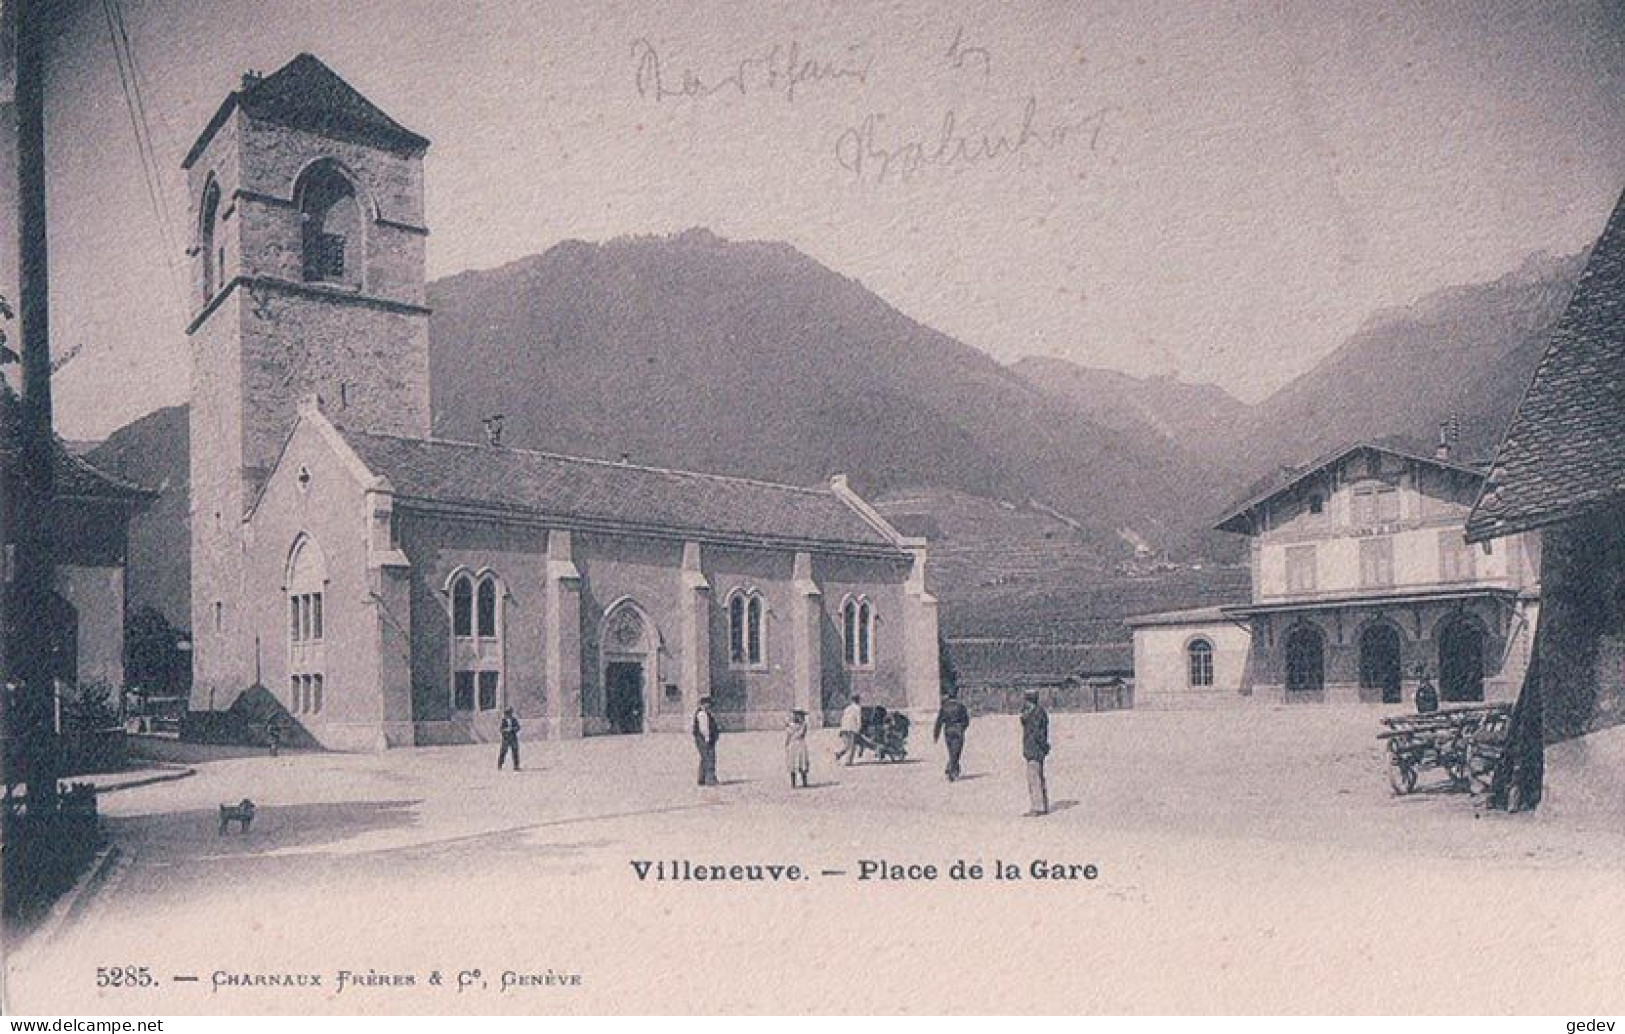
x=153, y=658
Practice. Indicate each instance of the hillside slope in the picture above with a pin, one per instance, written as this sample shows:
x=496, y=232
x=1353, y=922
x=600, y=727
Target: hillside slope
x=751, y=358
x=1463, y=351
x=1198, y=418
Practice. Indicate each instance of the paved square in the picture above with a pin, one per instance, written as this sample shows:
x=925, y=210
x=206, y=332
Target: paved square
x=1247, y=861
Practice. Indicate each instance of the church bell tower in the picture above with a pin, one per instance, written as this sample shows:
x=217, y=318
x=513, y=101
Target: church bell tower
x=307, y=265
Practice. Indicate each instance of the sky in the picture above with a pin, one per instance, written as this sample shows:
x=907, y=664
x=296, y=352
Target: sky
x=1219, y=192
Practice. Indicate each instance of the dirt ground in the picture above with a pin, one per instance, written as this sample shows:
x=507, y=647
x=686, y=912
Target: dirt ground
x=1246, y=862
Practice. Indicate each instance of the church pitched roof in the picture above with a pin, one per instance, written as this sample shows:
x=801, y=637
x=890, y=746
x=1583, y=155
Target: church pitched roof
x=600, y=494
x=1564, y=452
x=306, y=94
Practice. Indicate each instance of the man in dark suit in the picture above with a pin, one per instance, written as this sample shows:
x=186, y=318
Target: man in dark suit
x=509, y=730
x=706, y=732
x=1035, y=748
x=952, y=720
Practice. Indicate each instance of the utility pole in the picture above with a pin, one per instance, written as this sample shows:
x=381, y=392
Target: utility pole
x=28, y=647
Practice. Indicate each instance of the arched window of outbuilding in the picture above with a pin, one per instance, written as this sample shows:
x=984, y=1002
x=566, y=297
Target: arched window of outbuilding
x=1199, y=656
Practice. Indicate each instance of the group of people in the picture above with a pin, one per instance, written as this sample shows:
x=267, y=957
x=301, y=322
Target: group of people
x=953, y=719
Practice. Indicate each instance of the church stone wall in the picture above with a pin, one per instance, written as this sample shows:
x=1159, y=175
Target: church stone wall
x=437, y=548
x=326, y=507
x=222, y=663
x=650, y=573
x=760, y=696
x=646, y=572
x=369, y=366
x=270, y=341
x=886, y=681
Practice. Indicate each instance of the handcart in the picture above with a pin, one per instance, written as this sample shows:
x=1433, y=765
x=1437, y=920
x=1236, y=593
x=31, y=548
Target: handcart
x=1466, y=743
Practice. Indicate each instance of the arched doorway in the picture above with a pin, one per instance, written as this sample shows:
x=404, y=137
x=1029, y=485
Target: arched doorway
x=1380, y=664
x=1305, y=660
x=628, y=648
x=1461, y=660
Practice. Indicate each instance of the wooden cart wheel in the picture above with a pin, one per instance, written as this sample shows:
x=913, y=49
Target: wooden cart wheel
x=1402, y=777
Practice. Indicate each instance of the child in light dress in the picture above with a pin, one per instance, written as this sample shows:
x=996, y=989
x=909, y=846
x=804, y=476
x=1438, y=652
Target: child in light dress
x=795, y=747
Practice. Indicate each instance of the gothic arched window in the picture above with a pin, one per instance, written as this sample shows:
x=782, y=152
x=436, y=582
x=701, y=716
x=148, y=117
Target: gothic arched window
x=330, y=218
x=746, y=642
x=858, y=632
x=462, y=607
x=476, y=629
x=485, y=608
x=306, y=585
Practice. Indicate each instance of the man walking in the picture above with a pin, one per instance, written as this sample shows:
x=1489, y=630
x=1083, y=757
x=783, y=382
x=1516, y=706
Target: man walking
x=952, y=720
x=509, y=728
x=851, y=725
x=1034, y=748
x=706, y=732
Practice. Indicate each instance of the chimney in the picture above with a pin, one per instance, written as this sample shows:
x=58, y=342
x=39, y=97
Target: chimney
x=493, y=429
x=626, y=457
x=251, y=79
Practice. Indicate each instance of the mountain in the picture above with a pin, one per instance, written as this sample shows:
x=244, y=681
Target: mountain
x=735, y=357
x=1196, y=417
x=1466, y=352
x=153, y=452
x=751, y=358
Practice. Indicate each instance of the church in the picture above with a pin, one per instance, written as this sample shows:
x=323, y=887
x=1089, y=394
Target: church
x=387, y=588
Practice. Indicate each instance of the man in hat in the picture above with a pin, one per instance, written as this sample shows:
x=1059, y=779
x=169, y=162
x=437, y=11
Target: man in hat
x=1034, y=748
x=706, y=732
x=952, y=720
x=509, y=730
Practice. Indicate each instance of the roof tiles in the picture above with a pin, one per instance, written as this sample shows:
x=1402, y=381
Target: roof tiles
x=616, y=495
x=1564, y=453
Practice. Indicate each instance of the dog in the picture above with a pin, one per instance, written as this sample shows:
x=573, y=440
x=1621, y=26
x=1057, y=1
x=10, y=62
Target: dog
x=242, y=813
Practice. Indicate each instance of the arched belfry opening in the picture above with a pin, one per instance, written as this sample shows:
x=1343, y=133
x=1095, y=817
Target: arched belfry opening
x=331, y=225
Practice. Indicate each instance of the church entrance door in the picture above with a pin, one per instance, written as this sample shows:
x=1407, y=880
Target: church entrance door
x=623, y=693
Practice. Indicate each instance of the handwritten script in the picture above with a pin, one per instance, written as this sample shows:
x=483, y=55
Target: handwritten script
x=781, y=69
x=872, y=153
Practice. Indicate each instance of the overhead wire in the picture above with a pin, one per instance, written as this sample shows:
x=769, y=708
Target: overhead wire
x=146, y=153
